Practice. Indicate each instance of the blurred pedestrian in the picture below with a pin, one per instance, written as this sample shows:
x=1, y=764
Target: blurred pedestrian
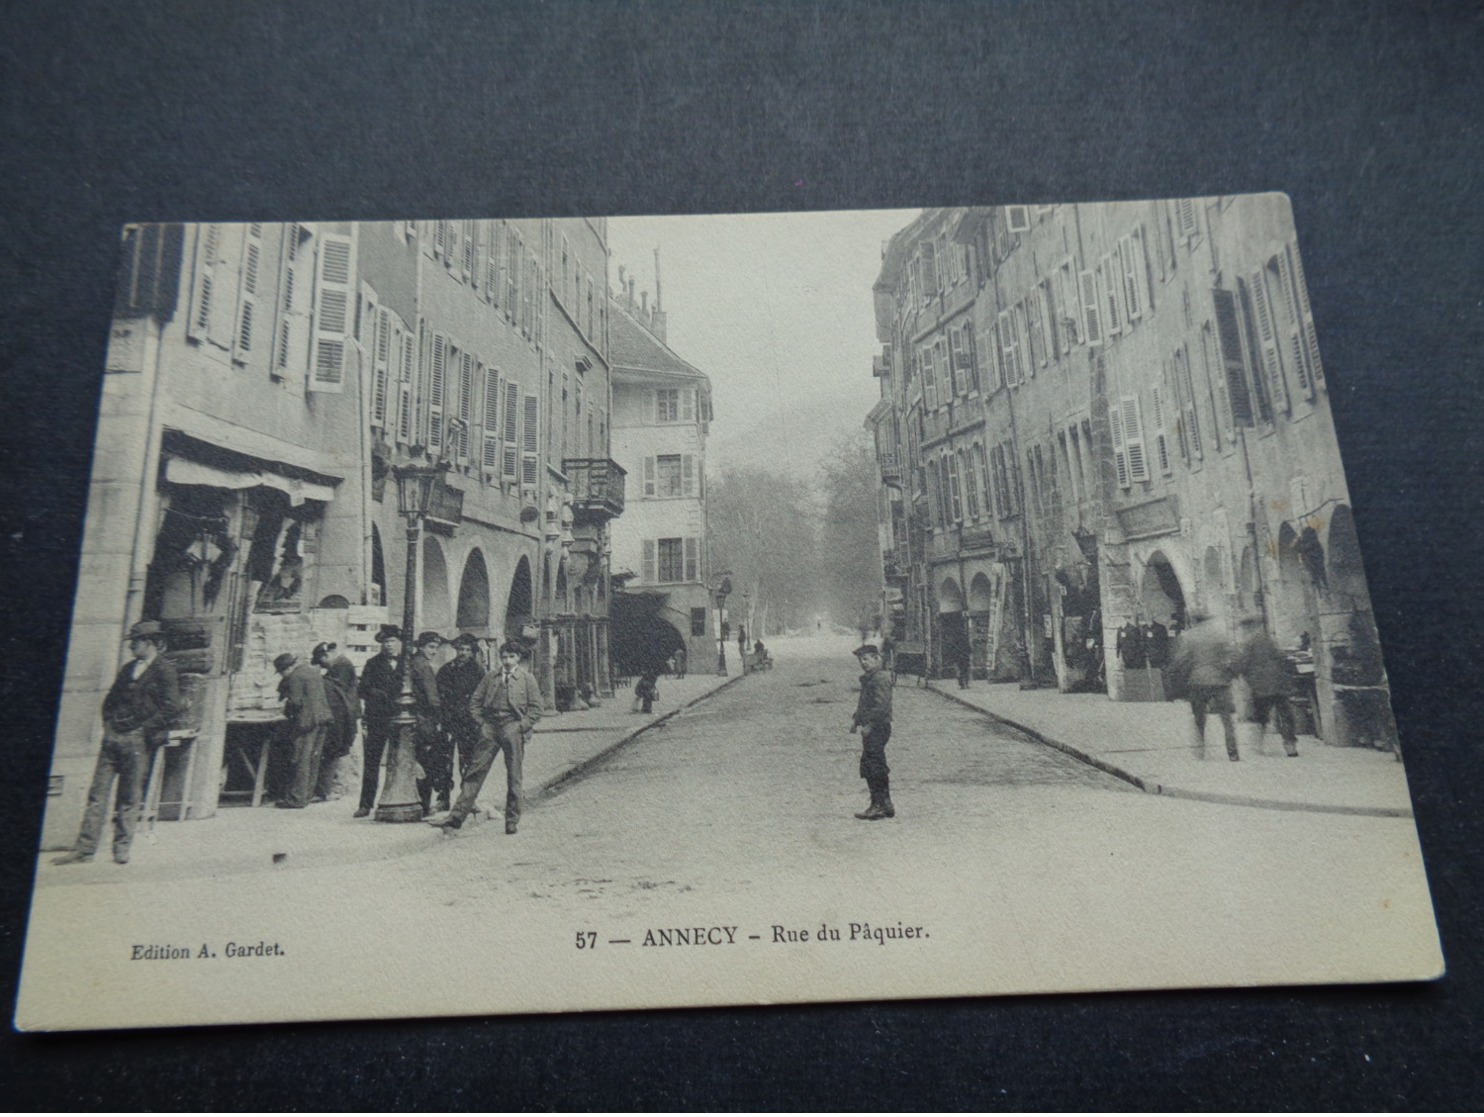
x=306, y=711
x=1263, y=666
x=345, y=711
x=873, y=714
x=1201, y=670
x=137, y=712
x=646, y=690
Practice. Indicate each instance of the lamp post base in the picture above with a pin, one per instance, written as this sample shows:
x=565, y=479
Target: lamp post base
x=399, y=812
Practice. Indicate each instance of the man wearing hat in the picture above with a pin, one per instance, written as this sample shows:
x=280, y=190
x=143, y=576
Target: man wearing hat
x=137, y=712
x=873, y=714
x=506, y=705
x=434, y=752
x=379, y=686
x=307, y=711
x=457, y=681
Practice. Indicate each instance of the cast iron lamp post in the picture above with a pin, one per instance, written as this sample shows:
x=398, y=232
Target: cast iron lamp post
x=722, y=590
x=421, y=492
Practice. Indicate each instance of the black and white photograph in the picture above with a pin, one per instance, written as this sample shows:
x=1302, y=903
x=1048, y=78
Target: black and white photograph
x=717, y=610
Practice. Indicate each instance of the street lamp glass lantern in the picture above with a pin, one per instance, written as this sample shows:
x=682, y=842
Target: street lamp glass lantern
x=416, y=486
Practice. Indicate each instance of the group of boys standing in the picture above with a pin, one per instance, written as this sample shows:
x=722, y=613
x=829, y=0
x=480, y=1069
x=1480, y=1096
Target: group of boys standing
x=459, y=710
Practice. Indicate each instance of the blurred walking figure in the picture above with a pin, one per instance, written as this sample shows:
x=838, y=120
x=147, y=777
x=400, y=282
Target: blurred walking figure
x=345, y=711
x=1201, y=670
x=1263, y=666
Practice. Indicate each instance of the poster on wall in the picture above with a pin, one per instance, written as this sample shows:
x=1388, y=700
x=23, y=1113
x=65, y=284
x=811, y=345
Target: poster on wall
x=542, y=615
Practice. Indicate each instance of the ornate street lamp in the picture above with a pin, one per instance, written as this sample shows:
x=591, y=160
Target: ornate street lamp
x=422, y=494
x=722, y=592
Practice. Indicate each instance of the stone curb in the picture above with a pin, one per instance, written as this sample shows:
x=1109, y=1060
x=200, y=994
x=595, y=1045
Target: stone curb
x=554, y=785
x=1153, y=788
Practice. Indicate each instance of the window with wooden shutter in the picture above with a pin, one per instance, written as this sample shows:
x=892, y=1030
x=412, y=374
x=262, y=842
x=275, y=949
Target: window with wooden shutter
x=1306, y=317
x=530, y=440
x=647, y=572
x=929, y=380
x=331, y=313
x=1294, y=329
x=512, y=273
x=381, y=361
x=1186, y=218
x=1006, y=337
x=1255, y=361
x=1233, y=365
x=467, y=372
x=651, y=477
x=970, y=482
x=1264, y=287
x=289, y=351
x=1018, y=219
x=955, y=487
x=1185, y=384
x=1161, y=447
x=510, y=464
x=1051, y=342
x=927, y=262
x=1133, y=439
x=692, y=559
x=688, y=405
x=494, y=286
x=438, y=388
x=408, y=374
x=1092, y=314
x=1120, y=452
x=467, y=243
x=1109, y=282
x=208, y=251
x=1132, y=297
x=1035, y=333
x=489, y=456
x=688, y=474
x=245, y=332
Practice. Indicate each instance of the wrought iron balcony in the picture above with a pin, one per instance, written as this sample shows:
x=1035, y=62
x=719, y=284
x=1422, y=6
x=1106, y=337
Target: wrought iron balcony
x=891, y=468
x=597, y=489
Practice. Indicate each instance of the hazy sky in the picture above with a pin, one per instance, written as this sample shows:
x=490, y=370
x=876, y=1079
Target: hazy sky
x=777, y=310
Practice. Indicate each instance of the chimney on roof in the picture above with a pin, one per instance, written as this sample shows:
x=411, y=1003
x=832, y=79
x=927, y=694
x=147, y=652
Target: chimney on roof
x=621, y=284
x=659, y=315
x=629, y=298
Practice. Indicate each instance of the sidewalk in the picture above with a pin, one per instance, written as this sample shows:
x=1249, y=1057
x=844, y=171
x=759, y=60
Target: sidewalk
x=1149, y=745
x=246, y=839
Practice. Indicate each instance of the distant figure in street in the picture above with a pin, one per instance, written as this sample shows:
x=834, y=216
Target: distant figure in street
x=381, y=682
x=345, y=711
x=1201, y=670
x=646, y=690
x=506, y=705
x=679, y=660
x=458, y=679
x=1262, y=665
x=434, y=750
x=742, y=639
x=307, y=712
x=873, y=714
x=137, y=712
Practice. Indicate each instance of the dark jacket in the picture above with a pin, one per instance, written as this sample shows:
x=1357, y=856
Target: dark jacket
x=380, y=686
x=148, y=703
x=1262, y=665
x=304, y=702
x=425, y=702
x=457, y=682
x=1202, y=658
x=342, y=674
x=874, y=707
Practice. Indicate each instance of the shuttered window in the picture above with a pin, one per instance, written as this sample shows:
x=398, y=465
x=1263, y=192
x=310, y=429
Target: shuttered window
x=1264, y=285
x=1092, y=314
x=955, y=488
x=245, y=335
x=437, y=385
x=1233, y=365
x=510, y=464
x=381, y=360
x=468, y=369
x=1161, y=447
x=1133, y=439
x=1294, y=341
x=970, y=482
x=692, y=559
x=1305, y=315
x=647, y=571
x=530, y=436
x=490, y=451
x=208, y=254
x=408, y=374
x=331, y=314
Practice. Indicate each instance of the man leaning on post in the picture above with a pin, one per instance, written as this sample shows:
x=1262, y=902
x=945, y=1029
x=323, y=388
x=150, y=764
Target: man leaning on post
x=506, y=705
x=137, y=712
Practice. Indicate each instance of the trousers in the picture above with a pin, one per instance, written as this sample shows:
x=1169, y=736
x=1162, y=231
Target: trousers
x=125, y=757
x=873, y=751
x=304, y=760
x=505, y=737
x=373, y=746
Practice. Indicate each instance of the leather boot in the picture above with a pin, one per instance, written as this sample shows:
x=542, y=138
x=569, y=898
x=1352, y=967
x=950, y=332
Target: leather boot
x=887, y=810
x=872, y=812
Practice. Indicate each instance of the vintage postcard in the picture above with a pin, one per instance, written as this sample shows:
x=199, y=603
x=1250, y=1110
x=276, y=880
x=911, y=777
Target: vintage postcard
x=501, y=616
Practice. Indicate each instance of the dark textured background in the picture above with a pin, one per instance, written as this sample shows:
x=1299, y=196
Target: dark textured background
x=1365, y=112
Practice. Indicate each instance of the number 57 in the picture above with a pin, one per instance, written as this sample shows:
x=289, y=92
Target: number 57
x=587, y=940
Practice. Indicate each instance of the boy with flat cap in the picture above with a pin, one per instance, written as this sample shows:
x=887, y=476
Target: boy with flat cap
x=506, y=705
x=137, y=712
x=873, y=714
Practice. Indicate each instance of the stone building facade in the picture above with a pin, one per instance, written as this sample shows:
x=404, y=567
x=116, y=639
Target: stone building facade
x=1102, y=420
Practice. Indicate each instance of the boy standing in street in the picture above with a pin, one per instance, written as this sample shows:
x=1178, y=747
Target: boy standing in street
x=873, y=714
x=506, y=706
